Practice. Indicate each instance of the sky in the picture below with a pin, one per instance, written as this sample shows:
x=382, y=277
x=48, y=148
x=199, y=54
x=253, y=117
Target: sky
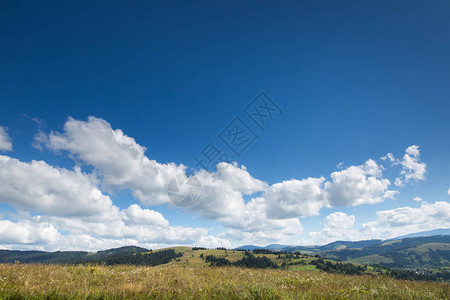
x=222, y=123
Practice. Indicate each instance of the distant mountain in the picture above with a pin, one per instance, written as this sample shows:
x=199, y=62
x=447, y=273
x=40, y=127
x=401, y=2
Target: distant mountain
x=429, y=249
x=249, y=247
x=338, y=245
x=443, y=231
x=417, y=252
x=277, y=247
x=331, y=246
x=431, y=252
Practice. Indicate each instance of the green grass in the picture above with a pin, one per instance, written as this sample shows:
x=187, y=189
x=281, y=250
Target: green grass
x=391, y=242
x=433, y=246
x=371, y=259
x=303, y=268
x=179, y=282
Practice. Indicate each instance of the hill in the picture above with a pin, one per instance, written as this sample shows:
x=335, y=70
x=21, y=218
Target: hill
x=431, y=252
x=128, y=254
x=422, y=254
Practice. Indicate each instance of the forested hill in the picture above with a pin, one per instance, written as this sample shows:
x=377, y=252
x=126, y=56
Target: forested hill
x=421, y=252
x=430, y=252
x=124, y=255
x=406, y=253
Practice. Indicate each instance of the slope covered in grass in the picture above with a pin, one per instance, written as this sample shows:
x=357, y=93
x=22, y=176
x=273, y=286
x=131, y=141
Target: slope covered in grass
x=19, y=281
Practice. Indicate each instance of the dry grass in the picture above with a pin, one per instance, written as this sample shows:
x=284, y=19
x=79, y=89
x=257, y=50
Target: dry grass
x=178, y=282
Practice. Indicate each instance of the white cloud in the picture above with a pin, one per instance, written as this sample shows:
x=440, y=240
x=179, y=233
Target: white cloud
x=119, y=160
x=257, y=228
x=72, y=203
x=27, y=232
x=391, y=158
x=339, y=220
x=295, y=198
x=336, y=226
x=141, y=227
x=119, y=228
x=272, y=216
x=404, y=220
x=418, y=199
x=413, y=169
x=135, y=214
x=213, y=242
x=448, y=192
x=398, y=182
x=388, y=224
x=358, y=185
x=238, y=178
x=123, y=165
x=55, y=191
x=222, y=201
x=5, y=141
x=340, y=165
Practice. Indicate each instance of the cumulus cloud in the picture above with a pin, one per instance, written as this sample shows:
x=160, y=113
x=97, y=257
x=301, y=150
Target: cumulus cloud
x=339, y=220
x=295, y=198
x=390, y=157
x=336, y=226
x=133, y=226
x=71, y=202
x=27, y=232
x=41, y=187
x=291, y=199
x=258, y=229
x=404, y=220
x=119, y=160
x=413, y=169
x=222, y=201
x=358, y=185
x=238, y=178
x=122, y=164
x=135, y=214
x=388, y=224
x=213, y=242
x=5, y=141
x=267, y=213
x=273, y=216
x=119, y=227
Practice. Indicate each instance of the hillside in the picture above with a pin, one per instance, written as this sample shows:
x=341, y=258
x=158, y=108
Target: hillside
x=12, y=256
x=423, y=254
x=409, y=253
x=430, y=252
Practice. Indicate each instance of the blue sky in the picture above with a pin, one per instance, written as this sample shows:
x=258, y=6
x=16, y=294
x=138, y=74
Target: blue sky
x=354, y=81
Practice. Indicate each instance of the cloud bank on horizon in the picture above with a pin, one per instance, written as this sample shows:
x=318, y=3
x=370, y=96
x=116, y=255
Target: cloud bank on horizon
x=59, y=208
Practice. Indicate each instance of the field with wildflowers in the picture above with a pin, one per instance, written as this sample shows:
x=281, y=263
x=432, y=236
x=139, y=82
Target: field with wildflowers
x=174, y=281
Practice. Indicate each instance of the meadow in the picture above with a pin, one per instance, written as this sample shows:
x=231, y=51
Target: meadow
x=179, y=281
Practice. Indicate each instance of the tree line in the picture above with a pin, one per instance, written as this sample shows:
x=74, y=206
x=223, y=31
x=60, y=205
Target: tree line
x=146, y=259
x=248, y=261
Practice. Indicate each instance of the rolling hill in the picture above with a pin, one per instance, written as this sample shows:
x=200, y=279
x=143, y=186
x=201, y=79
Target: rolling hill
x=426, y=252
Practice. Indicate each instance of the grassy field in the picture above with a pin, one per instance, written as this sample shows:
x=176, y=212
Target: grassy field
x=192, y=258
x=175, y=281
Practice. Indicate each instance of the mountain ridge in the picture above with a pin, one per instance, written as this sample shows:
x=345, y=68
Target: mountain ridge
x=435, y=232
